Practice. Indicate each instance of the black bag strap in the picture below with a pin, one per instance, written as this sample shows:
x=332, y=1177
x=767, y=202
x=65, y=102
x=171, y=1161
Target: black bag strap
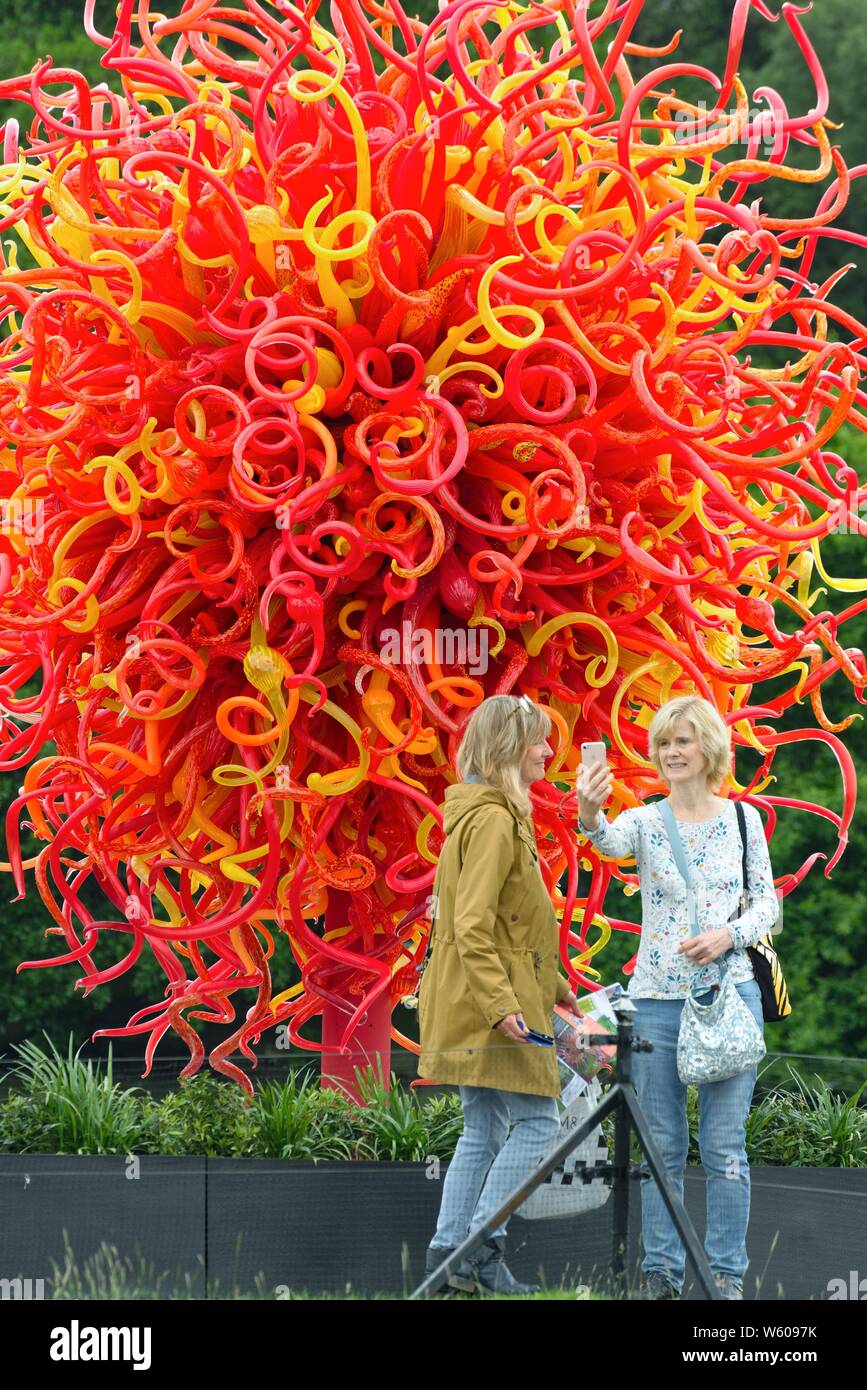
x=742, y=827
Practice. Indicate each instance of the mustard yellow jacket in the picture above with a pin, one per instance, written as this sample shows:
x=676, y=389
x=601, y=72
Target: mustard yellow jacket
x=494, y=951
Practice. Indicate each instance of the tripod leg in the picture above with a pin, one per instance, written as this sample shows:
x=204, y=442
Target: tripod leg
x=620, y=1190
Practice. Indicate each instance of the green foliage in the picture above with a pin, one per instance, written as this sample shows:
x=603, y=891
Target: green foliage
x=296, y=1120
x=444, y=1121
x=800, y=1125
x=398, y=1125
x=65, y=1105
x=205, y=1116
x=810, y=1125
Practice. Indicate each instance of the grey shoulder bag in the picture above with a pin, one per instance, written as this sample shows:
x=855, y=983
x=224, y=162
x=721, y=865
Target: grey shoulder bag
x=720, y=1039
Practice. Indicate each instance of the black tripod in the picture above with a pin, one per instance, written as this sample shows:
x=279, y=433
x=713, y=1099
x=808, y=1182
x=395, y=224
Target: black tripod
x=628, y=1115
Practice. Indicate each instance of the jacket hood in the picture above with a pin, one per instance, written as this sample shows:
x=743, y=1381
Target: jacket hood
x=465, y=798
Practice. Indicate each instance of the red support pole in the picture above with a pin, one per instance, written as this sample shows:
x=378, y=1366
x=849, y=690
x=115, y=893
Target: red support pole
x=370, y=1045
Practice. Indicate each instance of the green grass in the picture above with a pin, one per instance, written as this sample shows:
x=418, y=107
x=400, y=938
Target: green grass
x=106, y=1275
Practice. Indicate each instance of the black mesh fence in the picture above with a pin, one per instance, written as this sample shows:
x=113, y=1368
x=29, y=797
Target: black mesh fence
x=265, y=1229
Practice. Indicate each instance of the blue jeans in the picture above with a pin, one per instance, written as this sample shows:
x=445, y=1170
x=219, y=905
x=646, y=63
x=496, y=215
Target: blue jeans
x=489, y=1161
x=723, y=1110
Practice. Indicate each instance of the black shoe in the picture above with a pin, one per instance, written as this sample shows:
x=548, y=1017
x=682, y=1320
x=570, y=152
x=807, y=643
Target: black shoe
x=461, y=1279
x=657, y=1287
x=491, y=1273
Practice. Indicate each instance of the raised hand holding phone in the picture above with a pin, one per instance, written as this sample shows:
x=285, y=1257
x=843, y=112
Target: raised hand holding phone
x=594, y=783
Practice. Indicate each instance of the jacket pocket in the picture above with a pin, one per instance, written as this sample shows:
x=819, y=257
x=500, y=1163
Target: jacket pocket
x=520, y=966
x=513, y=927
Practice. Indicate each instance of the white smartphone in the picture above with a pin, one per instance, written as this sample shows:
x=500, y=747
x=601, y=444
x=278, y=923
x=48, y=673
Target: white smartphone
x=593, y=755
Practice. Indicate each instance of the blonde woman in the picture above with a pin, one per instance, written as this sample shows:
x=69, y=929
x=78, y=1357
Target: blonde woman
x=492, y=980
x=690, y=748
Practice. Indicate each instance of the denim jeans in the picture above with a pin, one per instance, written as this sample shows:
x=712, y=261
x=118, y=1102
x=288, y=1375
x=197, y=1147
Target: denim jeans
x=489, y=1161
x=723, y=1110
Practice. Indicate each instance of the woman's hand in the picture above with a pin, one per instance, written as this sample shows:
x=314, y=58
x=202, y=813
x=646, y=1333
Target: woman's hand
x=570, y=1002
x=512, y=1025
x=705, y=947
x=594, y=789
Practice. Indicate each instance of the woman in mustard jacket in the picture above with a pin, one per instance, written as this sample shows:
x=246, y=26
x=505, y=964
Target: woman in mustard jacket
x=492, y=976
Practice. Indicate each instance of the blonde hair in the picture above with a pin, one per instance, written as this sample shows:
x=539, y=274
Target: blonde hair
x=711, y=731
x=498, y=735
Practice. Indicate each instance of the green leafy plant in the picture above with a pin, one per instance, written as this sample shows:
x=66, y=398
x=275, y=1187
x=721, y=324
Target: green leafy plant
x=205, y=1116
x=25, y=1126
x=799, y=1124
x=810, y=1125
x=62, y=1104
x=390, y=1119
x=294, y=1119
x=67, y=1105
x=444, y=1121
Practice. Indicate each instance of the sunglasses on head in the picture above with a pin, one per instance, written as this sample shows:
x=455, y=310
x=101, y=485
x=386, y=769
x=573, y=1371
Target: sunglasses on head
x=524, y=703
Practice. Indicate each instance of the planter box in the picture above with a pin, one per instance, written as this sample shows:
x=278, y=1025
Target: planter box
x=259, y=1224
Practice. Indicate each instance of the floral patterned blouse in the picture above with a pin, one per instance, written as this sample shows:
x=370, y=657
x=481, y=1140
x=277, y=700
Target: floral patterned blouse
x=713, y=855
